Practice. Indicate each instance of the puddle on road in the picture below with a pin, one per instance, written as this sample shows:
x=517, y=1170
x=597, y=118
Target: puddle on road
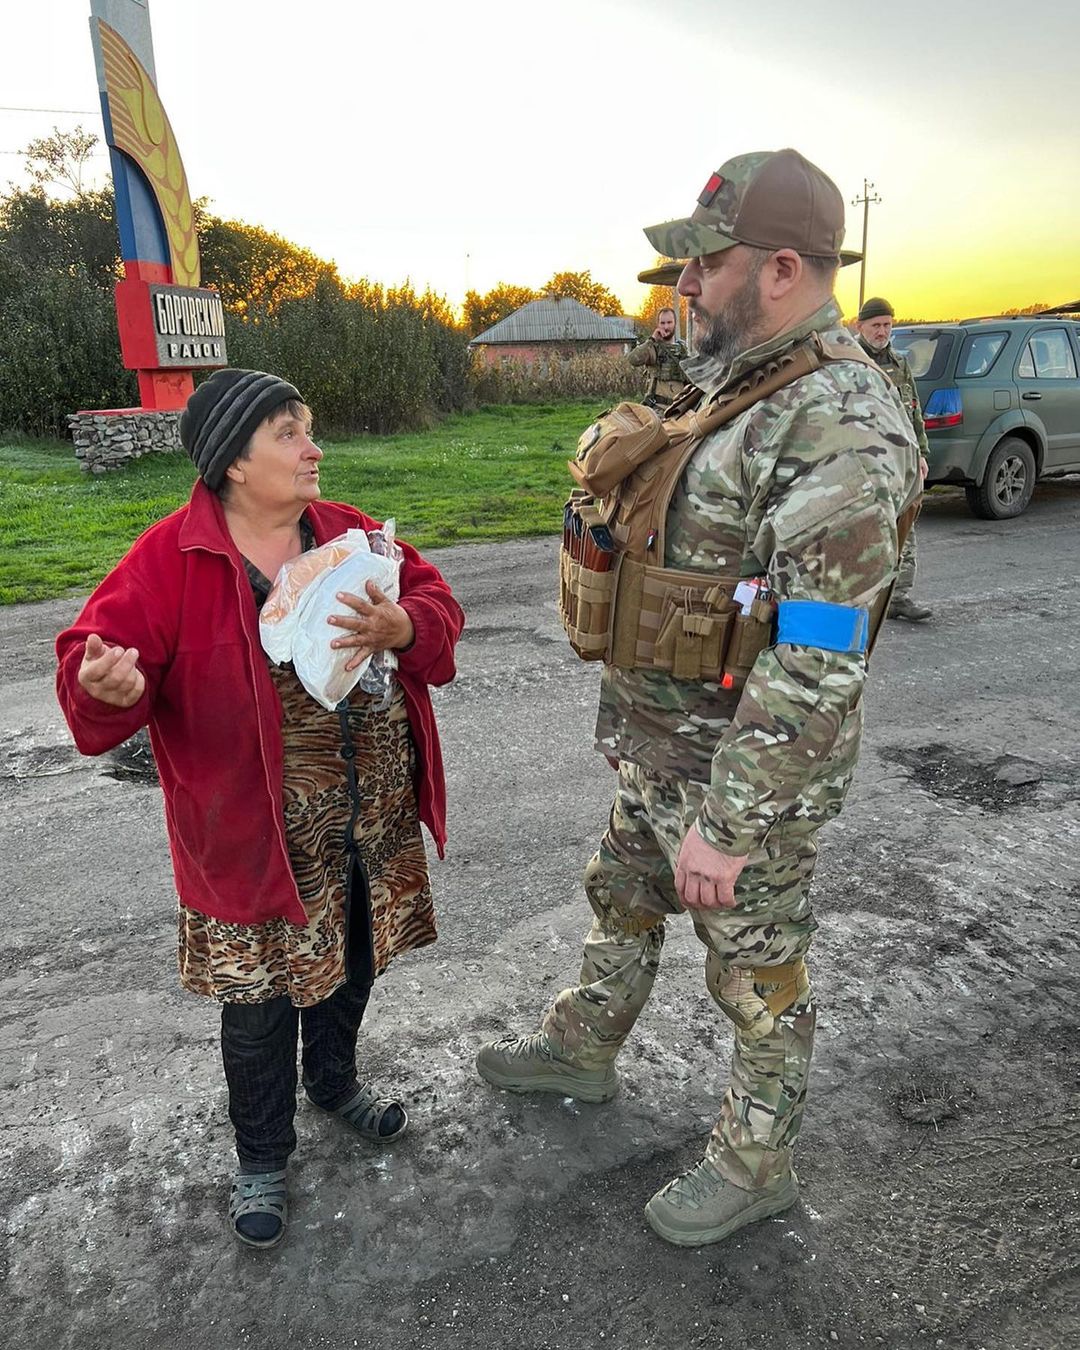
x=132, y=762
x=993, y=786
x=22, y=760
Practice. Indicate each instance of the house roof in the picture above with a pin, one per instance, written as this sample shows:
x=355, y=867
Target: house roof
x=556, y=321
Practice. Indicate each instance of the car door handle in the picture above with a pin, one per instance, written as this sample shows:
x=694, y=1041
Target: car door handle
x=1033, y=396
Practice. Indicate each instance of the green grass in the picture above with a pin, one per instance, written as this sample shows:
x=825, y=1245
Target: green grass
x=496, y=473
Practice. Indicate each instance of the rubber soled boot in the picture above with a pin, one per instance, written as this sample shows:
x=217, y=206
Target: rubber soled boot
x=903, y=607
x=701, y=1206
x=528, y=1064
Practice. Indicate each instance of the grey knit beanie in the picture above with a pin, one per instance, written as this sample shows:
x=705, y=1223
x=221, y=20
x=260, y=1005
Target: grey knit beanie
x=222, y=414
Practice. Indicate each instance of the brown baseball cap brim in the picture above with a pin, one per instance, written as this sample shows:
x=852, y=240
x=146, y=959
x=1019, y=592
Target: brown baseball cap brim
x=666, y=274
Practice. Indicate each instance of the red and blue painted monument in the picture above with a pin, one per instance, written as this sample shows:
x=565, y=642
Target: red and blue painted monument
x=169, y=324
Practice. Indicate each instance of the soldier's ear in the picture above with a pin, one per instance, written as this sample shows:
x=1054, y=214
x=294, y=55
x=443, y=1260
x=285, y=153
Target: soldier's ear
x=782, y=272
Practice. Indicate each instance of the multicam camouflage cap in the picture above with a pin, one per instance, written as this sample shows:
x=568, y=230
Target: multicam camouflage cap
x=769, y=199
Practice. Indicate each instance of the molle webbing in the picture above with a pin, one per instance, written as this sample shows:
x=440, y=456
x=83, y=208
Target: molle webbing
x=617, y=600
x=650, y=488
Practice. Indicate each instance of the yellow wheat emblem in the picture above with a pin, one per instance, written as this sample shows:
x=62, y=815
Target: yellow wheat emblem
x=142, y=131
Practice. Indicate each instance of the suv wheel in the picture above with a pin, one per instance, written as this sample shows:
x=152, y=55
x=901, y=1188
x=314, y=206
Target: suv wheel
x=1008, y=483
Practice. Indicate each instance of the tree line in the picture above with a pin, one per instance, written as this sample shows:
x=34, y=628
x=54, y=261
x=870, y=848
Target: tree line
x=369, y=357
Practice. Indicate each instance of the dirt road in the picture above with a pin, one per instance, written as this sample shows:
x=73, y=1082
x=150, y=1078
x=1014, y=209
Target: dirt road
x=940, y=1156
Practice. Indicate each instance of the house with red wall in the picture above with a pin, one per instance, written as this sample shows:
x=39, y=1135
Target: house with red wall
x=550, y=329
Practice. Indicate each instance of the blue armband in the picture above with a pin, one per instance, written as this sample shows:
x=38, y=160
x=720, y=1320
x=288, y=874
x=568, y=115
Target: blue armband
x=814, y=623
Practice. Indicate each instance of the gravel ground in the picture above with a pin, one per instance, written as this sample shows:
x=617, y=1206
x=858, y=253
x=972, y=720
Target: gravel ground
x=940, y=1155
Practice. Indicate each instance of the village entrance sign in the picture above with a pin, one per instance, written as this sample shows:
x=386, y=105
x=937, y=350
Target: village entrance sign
x=169, y=324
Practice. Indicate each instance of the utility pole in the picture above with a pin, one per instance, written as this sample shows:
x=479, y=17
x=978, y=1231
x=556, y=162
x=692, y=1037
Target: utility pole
x=865, y=202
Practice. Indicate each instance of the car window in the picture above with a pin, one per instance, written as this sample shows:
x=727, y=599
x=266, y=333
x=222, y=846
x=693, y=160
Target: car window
x=1047, y=356
x=927, y=350
x=920, y=355
x=979, y=352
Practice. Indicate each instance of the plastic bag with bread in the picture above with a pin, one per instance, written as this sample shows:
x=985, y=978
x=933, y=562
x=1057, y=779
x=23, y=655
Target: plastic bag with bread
x=279, y=610
x=293, y=623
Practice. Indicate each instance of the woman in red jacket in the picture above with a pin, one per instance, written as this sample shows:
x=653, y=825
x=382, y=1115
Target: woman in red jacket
x=295, y=832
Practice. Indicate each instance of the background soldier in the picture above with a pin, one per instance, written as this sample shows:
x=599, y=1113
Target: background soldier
x=720, y=793
x=662, y=354
x=874, y=327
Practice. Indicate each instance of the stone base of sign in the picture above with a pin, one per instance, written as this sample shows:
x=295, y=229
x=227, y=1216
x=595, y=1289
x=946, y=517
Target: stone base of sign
x=109, y=440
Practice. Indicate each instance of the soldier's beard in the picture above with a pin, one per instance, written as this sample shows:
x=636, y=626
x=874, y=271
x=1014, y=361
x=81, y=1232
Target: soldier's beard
x=724, y=336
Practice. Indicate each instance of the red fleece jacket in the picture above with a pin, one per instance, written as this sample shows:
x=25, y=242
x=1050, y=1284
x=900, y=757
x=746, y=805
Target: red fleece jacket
x=182, y=597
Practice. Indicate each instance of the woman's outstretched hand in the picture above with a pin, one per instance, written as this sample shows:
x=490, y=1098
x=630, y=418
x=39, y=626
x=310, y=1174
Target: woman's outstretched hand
x=377, y=624
x=111, y=674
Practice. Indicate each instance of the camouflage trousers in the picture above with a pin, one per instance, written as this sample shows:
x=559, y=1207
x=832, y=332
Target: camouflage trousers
x=630, y=884
x=905, y=574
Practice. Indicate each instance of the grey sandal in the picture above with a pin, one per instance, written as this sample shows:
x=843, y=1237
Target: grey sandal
x=380, y=1119
x=259, y=1208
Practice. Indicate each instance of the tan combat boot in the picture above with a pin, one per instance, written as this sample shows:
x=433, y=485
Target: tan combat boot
x=528, y=1064
x=702, y=1206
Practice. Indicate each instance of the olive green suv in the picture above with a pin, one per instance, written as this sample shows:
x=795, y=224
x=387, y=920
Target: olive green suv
x=1001, y=399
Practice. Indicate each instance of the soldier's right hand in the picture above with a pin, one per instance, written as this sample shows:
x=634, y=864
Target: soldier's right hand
x=657, y=335
x=111, y=674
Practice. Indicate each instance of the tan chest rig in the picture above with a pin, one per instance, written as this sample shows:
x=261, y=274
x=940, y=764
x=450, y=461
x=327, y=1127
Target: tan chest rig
x=617, y=601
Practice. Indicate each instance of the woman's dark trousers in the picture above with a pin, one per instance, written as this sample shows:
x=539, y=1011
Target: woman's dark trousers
x=258, y=1048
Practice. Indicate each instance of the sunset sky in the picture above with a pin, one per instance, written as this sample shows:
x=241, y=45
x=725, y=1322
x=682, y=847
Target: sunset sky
x=460, y=145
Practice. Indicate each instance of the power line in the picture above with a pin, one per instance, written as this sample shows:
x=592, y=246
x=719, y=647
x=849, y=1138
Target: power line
x=69, y=112
x=866, y=201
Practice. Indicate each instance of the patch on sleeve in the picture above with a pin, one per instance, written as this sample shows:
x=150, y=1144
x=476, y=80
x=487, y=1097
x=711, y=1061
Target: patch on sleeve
x=837, y=486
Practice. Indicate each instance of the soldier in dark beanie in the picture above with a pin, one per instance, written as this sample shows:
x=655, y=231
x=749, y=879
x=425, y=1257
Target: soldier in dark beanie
x=874, y=328
x=287, y=913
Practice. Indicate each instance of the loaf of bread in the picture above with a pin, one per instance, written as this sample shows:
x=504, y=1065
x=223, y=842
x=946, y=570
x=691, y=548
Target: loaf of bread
x=320, y=667
x=295, y=577
x=280, y=613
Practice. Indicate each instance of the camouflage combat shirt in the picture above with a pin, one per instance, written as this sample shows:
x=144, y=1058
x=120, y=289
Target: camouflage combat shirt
x=664, y=361
x=804, y=489
x=895, y=365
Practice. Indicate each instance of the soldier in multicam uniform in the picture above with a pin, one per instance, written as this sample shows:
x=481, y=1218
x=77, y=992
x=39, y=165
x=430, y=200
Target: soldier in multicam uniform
x=720, y=795
x=662, y=355
x=874, y=327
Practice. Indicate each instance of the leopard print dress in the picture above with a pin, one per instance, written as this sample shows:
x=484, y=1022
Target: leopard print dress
x=248, y=963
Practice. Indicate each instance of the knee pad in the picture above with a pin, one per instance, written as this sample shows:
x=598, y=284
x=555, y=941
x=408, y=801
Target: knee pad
x=735, y=990
x=612, y=906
